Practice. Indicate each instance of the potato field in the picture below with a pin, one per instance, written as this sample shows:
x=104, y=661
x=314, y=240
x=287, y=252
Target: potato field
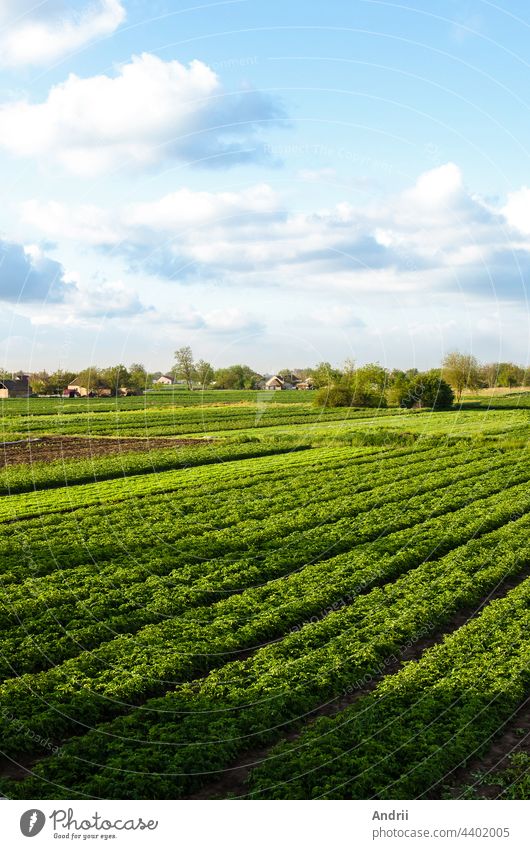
x=239, y=595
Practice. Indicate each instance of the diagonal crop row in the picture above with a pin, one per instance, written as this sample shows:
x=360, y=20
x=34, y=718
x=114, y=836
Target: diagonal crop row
x=85, y=690
x=200, y=479
x=418, y=725
x=36, y=642
x=41, y=642
x=199, y=728
x=175, y=421
x=97, y=533
x=126, y=462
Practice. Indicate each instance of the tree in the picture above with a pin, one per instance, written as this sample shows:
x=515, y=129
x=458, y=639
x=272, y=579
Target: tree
x=56, y=383
x=203, y=372
x=114, y=378
x=333, y=396
x=138, y=378
x=510, y=374
x=348, y=371
x=38, y=382
x=92, y=379
x=236, y=377
x=489, y=373
x=184, y=368
x=399, y=388
x=367, y=384
x=461, y=371
x=428, y=390
x=372, y=375
x=324, y=375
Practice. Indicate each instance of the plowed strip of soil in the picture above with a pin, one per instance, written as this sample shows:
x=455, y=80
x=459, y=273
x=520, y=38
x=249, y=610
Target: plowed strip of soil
x=67, y=447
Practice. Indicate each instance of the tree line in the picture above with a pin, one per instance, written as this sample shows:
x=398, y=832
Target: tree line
x=370, y=385
x=366, y=385
x=114, y=379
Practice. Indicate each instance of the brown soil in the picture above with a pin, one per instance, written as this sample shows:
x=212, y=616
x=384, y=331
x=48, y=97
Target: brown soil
x=67, y=447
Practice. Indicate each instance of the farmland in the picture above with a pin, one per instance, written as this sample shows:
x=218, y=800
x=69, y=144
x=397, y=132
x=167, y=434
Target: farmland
x=236, y=594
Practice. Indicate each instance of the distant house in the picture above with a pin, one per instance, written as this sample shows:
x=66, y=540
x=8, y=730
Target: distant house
x=16, y=388
x=73, y=390
x=306, y=384
x=275, y=382
x=165, y=380
x=127, y=391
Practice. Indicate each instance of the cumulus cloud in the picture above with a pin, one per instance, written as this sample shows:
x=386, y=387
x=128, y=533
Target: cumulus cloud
x=107, y=300
x=42, y=288
x=27, y=275
x=338, y=315
x=170, y=215
x=147, y=112
x=222, y=320
x=91, y=303
x=90, y=224
x=435, y=236
x=33, y=33
x=517, y=210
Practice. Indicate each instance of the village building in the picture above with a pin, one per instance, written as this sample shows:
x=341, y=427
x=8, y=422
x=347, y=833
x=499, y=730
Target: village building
x=290, y=382
x=73, y=390
x=165, y=380
x=276, y=382
x=18, y=387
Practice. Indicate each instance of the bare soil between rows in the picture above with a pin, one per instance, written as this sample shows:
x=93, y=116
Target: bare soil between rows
x=514, y=738
x=232, y=781
x=49, y=448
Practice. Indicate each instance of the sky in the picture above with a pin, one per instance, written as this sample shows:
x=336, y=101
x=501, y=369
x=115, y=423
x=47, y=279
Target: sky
x=275, y=183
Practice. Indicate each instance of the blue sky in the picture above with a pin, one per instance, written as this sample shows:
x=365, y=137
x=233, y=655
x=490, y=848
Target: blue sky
x=275, y=183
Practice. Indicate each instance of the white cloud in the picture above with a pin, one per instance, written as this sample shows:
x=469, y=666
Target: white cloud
x=107, y=300
x=319, y=175
x=89, y=304
x=28, y=275
x=436, y=188
x=222, y=320
x=338, y=315
x=90, y=225
x=517, y=210
x=149, y=111
x=230, y=320
x=33, y=33
x=186, y=209
x=433, y=237
x=43, y=290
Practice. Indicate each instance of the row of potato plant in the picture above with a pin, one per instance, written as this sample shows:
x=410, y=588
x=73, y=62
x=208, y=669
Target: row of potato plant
x=418, y=725
x=309, y=664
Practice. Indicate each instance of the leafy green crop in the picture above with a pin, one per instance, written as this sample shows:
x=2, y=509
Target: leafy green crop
x=418, y=725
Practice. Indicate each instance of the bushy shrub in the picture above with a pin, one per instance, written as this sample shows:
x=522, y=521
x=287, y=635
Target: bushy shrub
x=342, y=395
x=428, y=390
x=333, y=396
